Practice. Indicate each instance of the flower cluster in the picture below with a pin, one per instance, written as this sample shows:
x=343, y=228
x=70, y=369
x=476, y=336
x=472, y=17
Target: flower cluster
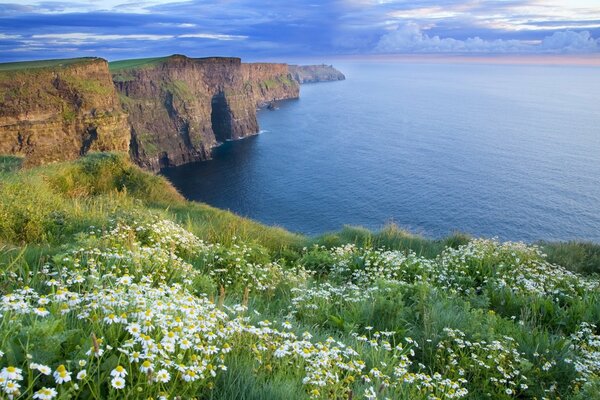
x=495, y=367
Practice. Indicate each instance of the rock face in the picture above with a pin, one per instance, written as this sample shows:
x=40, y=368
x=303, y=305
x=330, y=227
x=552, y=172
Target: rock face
x=179, y=108
x=53, y=110
x=165, y=111
x=315, y=73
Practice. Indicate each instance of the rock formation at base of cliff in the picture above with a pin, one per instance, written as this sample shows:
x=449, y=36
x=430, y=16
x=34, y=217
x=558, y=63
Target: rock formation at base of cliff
x=315, y=73
x=179, y=108
x=53, y=111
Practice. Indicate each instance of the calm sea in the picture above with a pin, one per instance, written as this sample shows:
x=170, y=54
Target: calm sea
x=496, y=151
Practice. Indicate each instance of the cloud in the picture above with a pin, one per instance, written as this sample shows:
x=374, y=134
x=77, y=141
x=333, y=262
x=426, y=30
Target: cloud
x=80, y=38
x=570, y=42
x=410, y=38
x=294, y=28
x=91, y=38
x=214, y=36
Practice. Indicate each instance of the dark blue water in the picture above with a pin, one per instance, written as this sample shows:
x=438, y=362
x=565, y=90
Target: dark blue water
x=506, y=151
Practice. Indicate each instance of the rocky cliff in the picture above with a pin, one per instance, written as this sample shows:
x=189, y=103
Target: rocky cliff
x=315, y=73
x=57, y=110
x=179, y=108
x=165, y=111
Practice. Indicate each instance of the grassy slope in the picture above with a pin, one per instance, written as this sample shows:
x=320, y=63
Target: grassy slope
x=44, y=208
x=48, y=205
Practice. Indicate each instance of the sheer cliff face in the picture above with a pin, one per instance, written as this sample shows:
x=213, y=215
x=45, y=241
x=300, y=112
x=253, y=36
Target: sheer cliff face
x=165, y=112
x=61, y=112
x=179, y=108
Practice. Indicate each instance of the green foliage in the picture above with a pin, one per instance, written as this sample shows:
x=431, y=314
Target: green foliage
x=10, y=163
x=583, y=257
x=318, y=259
x=96, y=249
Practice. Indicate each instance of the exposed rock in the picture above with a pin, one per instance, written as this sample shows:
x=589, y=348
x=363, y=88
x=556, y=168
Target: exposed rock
x=54, y=111
x=315, y=73
x=180, y=108
x=165, y=111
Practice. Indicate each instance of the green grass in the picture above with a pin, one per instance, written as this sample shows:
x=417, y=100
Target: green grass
x=50, y=204
x=583, y=257
x=26, y=65
x=10, y=163
x=516, y=309
x=115, y=66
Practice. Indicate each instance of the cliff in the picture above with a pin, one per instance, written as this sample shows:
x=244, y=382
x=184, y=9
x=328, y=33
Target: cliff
x=179, y=108
x=59, y=110
x=315, y=73
x=165, y=111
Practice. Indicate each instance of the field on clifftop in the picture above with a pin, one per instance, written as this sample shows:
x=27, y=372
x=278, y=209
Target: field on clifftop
x=114, y=286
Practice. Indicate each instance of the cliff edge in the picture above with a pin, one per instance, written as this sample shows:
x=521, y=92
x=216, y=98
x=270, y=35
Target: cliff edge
x=59, y=110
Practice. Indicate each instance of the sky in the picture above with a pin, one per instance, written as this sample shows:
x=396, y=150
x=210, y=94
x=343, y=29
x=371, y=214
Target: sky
x=288, y=29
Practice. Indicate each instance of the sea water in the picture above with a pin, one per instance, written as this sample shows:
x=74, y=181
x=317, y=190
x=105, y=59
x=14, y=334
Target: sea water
x=502, y=151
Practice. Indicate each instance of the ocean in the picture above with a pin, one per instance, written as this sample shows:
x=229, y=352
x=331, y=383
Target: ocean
x=502, y=151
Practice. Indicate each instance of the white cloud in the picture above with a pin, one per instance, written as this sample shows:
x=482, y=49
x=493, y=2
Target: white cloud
x=410, y=38
x=87, y=38
x=76, y=37
x=570, y=42
x=215, y=36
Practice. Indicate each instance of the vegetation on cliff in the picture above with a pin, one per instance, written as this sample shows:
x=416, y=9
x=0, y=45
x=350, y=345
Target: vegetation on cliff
x=113, y=286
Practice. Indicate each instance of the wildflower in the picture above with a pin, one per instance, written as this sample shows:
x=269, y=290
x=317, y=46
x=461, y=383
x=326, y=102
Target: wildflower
x=45, y=394
x=146, y=366
x=190, y=375
x=547, y=365
x=118, y=383
x=119, y=371
x=82, y=374
x=61, y=375
x=41, y=311
x=41, y=368
x=163, y=376
x=11, y=373
x=11, y=387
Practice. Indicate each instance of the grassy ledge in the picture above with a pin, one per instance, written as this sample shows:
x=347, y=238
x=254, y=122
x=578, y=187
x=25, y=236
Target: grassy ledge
x=28, y=65
x=114, y=286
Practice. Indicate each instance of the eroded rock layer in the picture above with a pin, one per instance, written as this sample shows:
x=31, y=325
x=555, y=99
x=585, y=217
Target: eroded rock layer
x=179, y=108
x=57, y=111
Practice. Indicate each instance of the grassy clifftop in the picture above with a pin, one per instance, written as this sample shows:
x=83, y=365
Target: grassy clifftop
x=29, y=65
x=114, y=286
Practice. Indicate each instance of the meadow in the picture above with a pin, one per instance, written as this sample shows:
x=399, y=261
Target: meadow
x=114, y=286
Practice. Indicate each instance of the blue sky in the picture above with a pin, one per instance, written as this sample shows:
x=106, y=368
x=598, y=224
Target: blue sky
x=118, y=29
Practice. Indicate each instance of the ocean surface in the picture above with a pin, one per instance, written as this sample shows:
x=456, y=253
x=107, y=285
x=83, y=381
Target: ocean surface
x=492, y=150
